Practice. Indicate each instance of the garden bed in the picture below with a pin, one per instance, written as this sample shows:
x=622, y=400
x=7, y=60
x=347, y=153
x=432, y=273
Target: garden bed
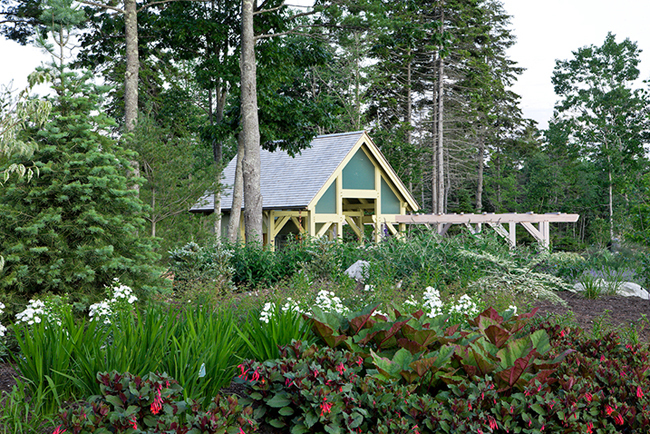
x=606, y=312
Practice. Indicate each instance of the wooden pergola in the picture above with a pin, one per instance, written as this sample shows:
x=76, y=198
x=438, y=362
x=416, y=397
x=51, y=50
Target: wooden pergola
x=474, y=223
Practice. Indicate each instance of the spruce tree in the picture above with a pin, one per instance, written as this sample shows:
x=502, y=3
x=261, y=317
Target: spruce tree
x=76, y=227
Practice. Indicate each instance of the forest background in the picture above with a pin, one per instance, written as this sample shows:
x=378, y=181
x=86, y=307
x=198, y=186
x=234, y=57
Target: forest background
x=429, y=80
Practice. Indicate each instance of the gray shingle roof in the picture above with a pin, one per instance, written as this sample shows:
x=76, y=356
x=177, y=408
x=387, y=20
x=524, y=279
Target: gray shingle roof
x=290, y=183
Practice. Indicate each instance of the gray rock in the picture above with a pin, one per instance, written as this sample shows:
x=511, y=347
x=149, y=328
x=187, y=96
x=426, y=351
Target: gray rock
x=357, y=271
x=627, y=289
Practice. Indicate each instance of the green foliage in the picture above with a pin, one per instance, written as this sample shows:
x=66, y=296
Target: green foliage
x=275, y=326
x=176, y=165
x=153, y=404
x=60, y=362
x=254, y=265
x=201, y=273
x=74, y=228
x=428, y=351
x=593, y=86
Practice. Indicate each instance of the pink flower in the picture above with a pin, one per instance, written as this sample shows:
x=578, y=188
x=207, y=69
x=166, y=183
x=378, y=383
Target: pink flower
x=243, y=372
x=590, y=427
x=255, y=376
x=340, y=368
x=492, y=423
x=58, y=430
x=326, y=407
x=618, y=419
x=588, y=397
x=241, y=431
x=639, y=392
x=156, y=405
x=133, y=422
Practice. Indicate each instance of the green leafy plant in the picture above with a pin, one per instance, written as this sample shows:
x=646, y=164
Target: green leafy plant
x=154, y=404
x=265, y=332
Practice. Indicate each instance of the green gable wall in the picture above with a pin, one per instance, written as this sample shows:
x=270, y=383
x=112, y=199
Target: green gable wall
x=390, y=204
x=359, y=173
x=327, y=203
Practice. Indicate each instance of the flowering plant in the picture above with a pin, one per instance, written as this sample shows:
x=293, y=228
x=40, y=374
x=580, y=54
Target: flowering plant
x=121, y=301
x=153, y=404
x=50, y=309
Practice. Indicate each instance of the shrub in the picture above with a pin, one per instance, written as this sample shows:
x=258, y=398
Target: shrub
x=201, y=272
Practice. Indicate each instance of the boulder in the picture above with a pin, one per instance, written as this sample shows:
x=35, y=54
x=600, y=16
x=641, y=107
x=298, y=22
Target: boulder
x=626, y=289
x=357, y=271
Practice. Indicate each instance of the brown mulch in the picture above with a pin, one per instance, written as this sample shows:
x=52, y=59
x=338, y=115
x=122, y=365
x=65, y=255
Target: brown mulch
x=607, y=312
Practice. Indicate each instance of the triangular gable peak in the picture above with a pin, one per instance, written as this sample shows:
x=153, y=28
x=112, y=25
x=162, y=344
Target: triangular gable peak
x=359, y=179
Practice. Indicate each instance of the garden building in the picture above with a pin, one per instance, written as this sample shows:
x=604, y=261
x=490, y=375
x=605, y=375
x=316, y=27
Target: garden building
x=341, y=179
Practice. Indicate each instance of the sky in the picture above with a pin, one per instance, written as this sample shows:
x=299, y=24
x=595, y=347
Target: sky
x=545, y=30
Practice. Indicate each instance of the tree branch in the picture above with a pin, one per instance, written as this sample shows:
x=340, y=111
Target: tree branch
x=261, y=10
x=100, y=5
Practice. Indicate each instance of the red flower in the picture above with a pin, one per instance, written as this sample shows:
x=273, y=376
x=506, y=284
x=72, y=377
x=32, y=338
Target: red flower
x=326, y=407
x=639, y=392
x=590, y=427
x=492, y=423
x=156, y=405
x=608, y=410
x=618, y=419
x=58, y=430
x=340, y=368
x=588, y=397
x=255, y=376
x=133, y=422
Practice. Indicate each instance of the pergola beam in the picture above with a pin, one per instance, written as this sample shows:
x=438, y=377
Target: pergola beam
x=541, y=233
x=486, y=218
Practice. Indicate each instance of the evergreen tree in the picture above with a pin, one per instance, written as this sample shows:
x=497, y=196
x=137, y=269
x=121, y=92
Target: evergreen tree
x=74, y=228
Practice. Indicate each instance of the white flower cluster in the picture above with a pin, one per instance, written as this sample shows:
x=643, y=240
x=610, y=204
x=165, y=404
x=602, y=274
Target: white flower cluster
x=269, y=309
x=465, y=305
x=329, y=302
x=513, y=309
x=123, y=298
x=3, y=329
x=36, y=312
x=432, y=302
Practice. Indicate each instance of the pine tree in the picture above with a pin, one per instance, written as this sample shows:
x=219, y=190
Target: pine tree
x=76, y=227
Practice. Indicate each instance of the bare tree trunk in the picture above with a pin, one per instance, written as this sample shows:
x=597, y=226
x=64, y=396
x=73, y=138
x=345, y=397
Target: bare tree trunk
x=479, y=187
x=131, y=77
x=438, y=171
x=610, y=191
x=237, y=192
x=434, y=153
x=250, y=133
x=153, y=213
x=217, y=151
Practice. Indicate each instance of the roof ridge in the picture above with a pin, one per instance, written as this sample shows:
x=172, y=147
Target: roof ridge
x=341, y=134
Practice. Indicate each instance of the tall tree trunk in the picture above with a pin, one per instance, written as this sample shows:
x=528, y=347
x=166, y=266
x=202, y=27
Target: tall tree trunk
x=237, y=192
x=250, y=133
x=131, y=77
x=479, y=187
x=217, y=150
x=439, y=129
x=610, y=191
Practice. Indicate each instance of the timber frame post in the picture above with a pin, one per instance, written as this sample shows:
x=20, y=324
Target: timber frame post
x=541, y=233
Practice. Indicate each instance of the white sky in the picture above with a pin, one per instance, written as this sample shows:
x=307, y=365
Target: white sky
x=545, y=30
